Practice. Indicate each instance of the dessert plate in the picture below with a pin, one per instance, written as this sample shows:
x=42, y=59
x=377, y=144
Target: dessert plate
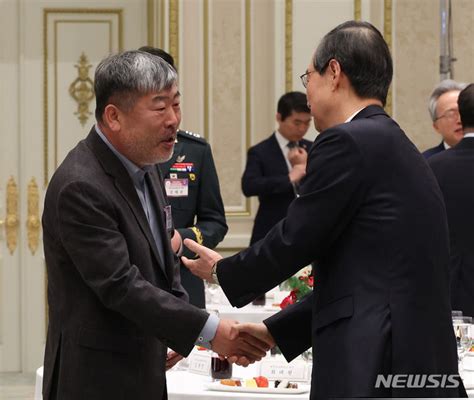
x=225, y=388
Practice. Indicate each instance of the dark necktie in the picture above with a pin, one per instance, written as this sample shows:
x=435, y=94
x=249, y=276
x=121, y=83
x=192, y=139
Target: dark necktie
x=292, y=144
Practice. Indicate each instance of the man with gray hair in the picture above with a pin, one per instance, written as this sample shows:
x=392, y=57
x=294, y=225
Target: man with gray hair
x=454, y=172
x=444, y=113
x=115, y=298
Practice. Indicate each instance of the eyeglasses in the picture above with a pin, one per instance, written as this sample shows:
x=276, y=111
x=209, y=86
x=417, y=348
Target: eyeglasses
x=304, y=78
x=450, y=114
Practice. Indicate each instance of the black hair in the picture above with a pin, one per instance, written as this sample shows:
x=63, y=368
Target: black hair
x=292, y=101
x=363, y=55
x=466, y=106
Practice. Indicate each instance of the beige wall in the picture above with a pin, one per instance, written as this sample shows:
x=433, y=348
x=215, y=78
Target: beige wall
x=416, y=60
x=245, y=43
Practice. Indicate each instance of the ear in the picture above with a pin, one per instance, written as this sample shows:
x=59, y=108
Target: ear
x=278, y=118
x=112, y=117
x=334, y=69
x=435, y=127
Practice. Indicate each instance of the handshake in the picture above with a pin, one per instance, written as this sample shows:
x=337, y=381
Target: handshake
x=242, y=343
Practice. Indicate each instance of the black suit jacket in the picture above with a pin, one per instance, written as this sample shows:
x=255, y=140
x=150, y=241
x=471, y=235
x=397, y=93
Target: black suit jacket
x=266, y=176
x=113, y=308
x=202, y=208
x=372, y=216
x=434, y=150
x=454, y=170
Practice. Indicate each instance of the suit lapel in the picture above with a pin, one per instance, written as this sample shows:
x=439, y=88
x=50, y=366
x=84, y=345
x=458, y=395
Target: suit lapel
x=114, y=167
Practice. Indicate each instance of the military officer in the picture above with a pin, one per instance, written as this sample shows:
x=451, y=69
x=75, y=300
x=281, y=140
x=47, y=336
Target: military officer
x=192, y=187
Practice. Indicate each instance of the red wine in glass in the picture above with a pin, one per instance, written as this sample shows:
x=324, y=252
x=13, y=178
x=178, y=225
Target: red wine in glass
x=220, y=369
x=259, y=301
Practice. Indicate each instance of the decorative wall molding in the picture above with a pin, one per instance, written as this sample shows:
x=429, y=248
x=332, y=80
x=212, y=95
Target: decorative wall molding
x=12, y=219
x=289, y=45
x=387, y=33
x=82, y=89
x=33, y=223
x=53, y=20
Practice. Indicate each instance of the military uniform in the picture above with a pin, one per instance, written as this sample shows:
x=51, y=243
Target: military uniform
x=193, y=190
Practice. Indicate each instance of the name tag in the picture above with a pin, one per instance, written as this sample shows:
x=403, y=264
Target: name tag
x=200, y=363
x=176, y=187
x=276, y=368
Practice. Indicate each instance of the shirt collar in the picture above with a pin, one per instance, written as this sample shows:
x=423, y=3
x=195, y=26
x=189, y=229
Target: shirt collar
x=282, y=141
x=469, y=134
x=136, y=173
x=353, y=115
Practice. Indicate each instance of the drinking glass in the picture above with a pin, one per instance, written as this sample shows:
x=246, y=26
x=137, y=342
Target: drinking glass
x=220, y=369
x=462, y=332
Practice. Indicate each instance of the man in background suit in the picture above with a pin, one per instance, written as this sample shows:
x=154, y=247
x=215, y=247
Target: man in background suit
x=371, y=215
x=276, y=165
x=114, y=293
x=454, y=170
x=193, y=191
x=443, y=110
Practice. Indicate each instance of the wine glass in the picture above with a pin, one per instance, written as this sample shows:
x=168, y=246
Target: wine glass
x=462, y=332
x=212, y=292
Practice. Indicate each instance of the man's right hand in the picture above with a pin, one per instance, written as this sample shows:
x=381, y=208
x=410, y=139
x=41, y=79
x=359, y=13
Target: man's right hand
x=257, y=331
x=297, y=173
x=229, y=341
x=297, y=155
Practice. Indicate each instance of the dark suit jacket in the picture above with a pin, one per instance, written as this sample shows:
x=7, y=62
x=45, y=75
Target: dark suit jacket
x=113, y=308
x=454, y=170
x=266, y=176
x=372, y=216
x=202, y=208
x=434, y=150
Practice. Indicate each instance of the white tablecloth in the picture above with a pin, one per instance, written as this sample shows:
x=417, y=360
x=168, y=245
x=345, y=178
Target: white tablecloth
x=183, y=385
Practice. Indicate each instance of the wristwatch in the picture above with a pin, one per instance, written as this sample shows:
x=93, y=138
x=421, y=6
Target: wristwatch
x=214, y=273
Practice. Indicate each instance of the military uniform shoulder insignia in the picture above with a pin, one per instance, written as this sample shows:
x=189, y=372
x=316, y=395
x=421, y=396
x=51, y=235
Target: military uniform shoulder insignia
x=191, y=135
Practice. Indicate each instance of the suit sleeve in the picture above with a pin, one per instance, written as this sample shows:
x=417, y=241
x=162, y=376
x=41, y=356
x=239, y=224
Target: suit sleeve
x=331, y=193
x=210, y=214
x=90, y=233
x=256, y=183
x=291, y=327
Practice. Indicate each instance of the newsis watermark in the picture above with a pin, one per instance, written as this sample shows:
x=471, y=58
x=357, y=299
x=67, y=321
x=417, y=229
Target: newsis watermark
x=417, y=381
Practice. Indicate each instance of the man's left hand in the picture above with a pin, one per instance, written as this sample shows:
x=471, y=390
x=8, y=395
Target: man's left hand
x=201, y=266
x=172, y=359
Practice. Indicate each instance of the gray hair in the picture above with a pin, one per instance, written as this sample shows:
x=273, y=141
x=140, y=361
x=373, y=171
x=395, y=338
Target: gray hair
x=448, y=85
x=122, y=78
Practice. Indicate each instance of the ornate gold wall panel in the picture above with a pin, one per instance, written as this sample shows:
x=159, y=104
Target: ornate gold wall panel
x=289, y=45
x=12, y=217
x=33, y=219
x=67, y=33
x=174, y=30
x=82, y=89
x=357, y=10
x=387, y=33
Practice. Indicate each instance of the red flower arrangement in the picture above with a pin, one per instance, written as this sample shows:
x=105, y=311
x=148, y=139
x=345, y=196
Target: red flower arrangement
x=299, y=285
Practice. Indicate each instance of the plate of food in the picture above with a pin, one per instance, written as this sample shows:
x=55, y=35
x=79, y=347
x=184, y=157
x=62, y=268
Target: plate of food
x=259, y=384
